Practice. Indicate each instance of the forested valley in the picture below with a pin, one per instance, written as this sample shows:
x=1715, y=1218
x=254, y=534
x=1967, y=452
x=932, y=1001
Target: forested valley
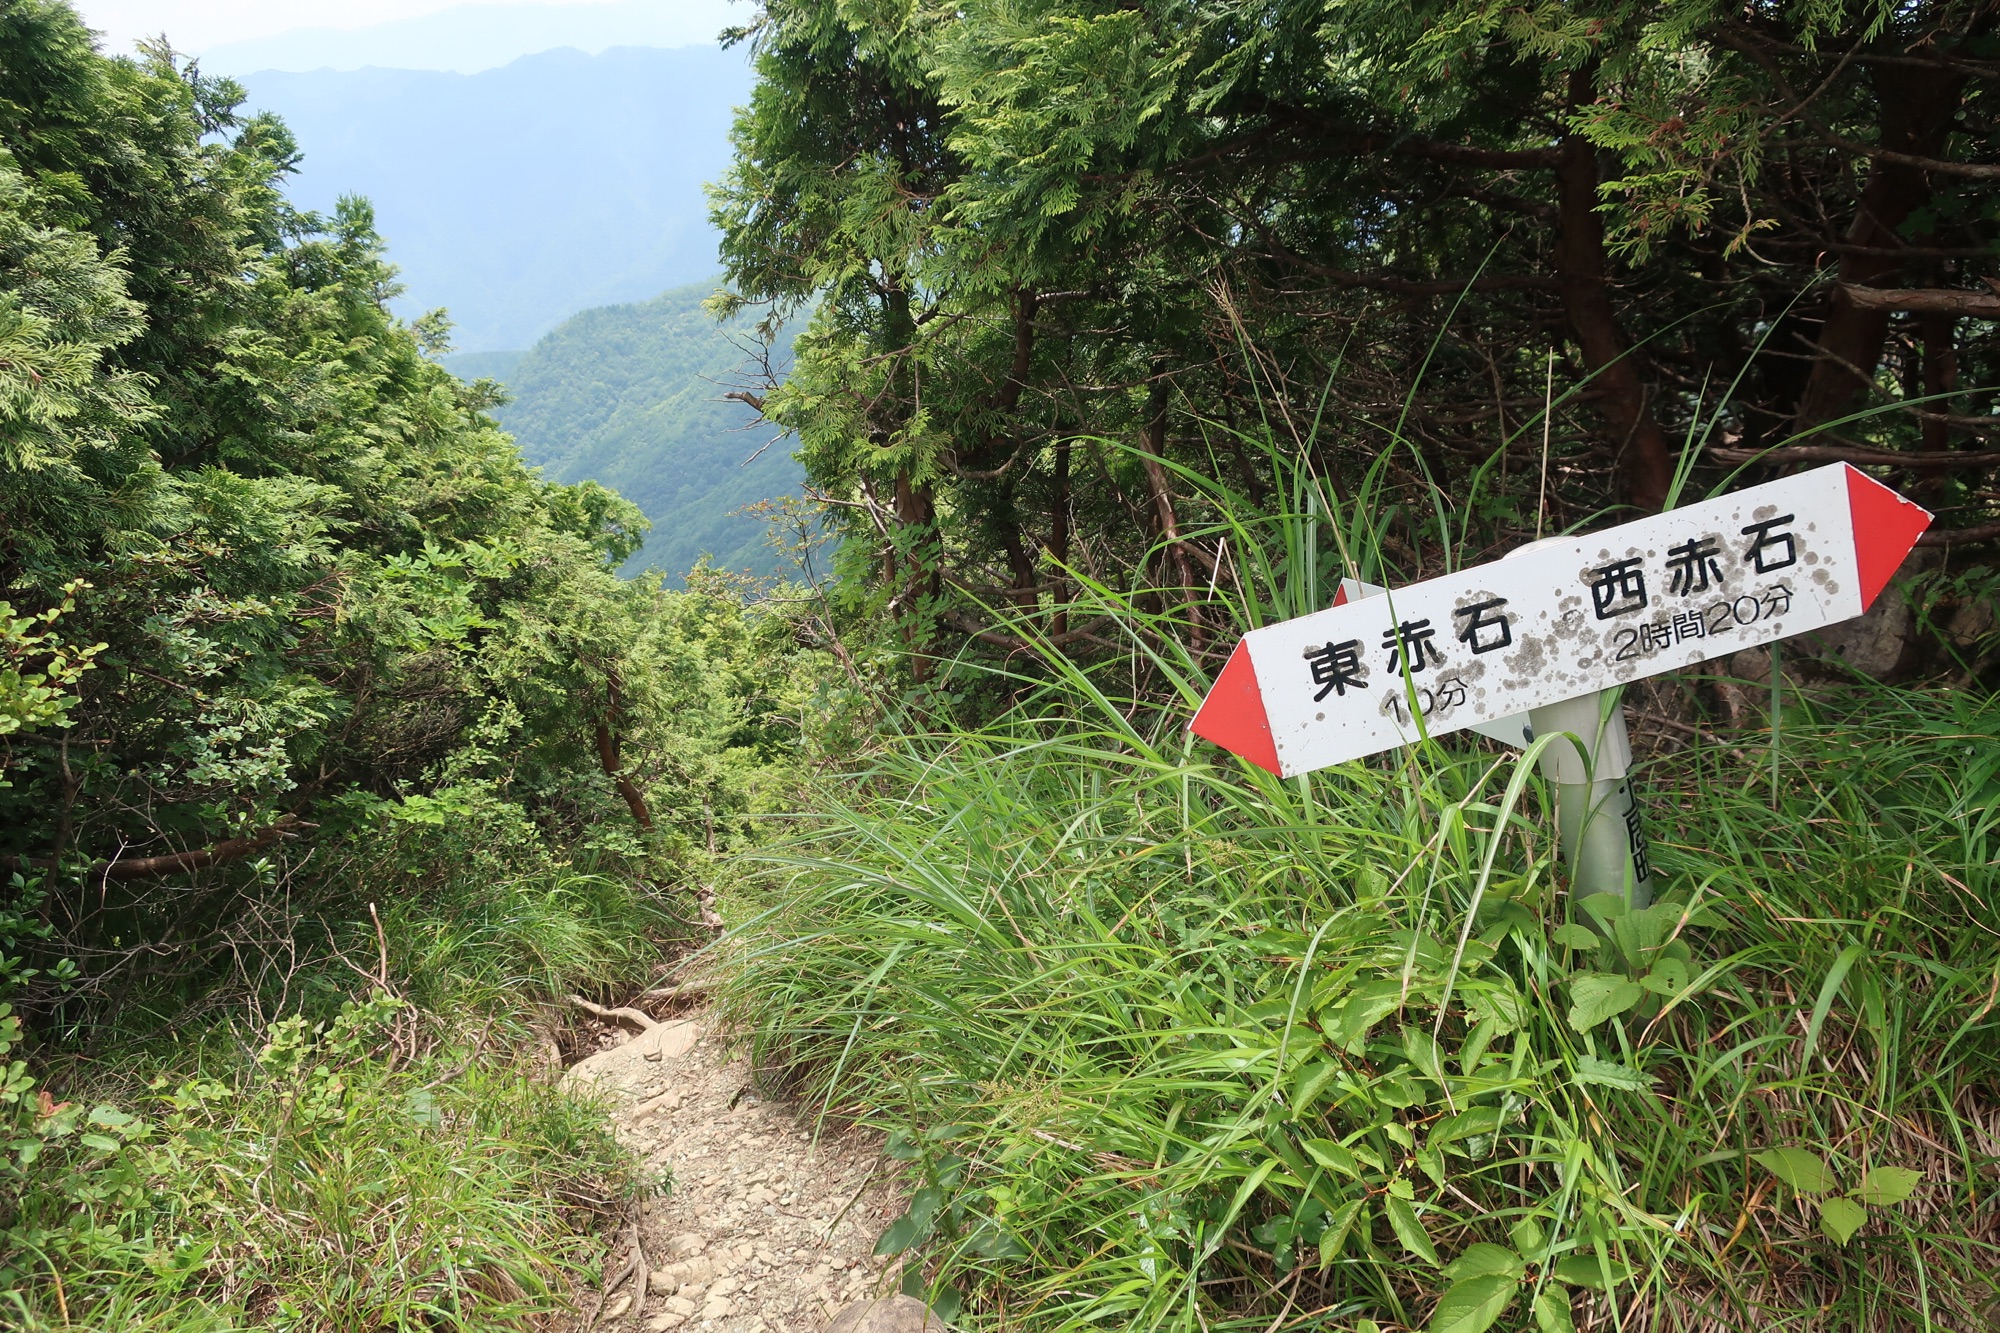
x=347, y=763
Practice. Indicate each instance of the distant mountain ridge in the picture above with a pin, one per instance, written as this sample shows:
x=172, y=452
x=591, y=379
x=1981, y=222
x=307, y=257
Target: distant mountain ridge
x=631, y=396
x=519, y=196
x=471, y=38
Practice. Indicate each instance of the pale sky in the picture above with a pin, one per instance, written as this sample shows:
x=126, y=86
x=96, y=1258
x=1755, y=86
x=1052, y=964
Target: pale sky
x=194, y=25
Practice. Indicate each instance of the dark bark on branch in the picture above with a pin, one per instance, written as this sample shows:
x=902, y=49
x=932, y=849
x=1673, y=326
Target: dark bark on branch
x=1841, y=453
x=1926, y=300
x=1983, y=532
x=1645, y=459
x=174, y=863
x=1917, y=162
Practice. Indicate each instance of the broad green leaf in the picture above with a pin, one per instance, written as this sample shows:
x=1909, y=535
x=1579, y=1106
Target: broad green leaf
x=1841, y=1218
x=1574, y=936
x=1668, y=977
x=1597, y=996
x=1332, y=1156
x=1473, y=1049
x=1335, y=1235
x=1528, y=1237
x=1473, y=1306
x=1478, y=1120
x=1552, y=1314
x=101, y=1142
x=924, y=1205
x=1802, y=1169
x=1272, y=1231
x=1397, y=1090
x=1495, y=1002
x=1306, y=1089
x=989, y=1241
x=1403, y=1221
x=1421, y=1049
x=899, y=1236
x=1482, y=1259
x=1606, y=1074
x=1604, y=908
x=1887, y=1186
x=1369, y=1004
x=1639, y=933
x=1587, y=1270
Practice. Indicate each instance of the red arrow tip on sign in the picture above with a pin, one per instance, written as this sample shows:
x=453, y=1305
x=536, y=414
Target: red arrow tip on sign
x=1232, y=715
x=1886, y=526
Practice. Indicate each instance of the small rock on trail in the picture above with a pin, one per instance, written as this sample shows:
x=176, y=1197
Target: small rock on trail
x=768, y=1228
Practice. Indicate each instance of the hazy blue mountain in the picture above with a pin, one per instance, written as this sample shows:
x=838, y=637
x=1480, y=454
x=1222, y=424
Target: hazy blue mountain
x=484, y=365
x=469, y=38
x=631, y=396
x=519, y=196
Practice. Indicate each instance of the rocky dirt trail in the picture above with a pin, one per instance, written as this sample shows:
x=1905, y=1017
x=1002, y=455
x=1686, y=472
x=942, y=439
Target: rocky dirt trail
x=768, y=1227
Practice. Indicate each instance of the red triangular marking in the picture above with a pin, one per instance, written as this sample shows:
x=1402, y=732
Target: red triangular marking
x=1340, y=593
x=1886, y=526
x=1232, y=715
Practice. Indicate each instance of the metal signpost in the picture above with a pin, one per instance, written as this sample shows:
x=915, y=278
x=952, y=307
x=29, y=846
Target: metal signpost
x=1525, y=646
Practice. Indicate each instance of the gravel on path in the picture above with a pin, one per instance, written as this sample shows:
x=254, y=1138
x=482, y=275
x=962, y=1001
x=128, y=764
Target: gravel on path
x=769, y=1227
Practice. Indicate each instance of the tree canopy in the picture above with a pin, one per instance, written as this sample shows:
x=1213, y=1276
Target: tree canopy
x=1066, y=254
x=265, y=566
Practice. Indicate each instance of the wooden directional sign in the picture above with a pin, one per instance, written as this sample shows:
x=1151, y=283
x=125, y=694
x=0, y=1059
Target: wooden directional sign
x=1560, y=621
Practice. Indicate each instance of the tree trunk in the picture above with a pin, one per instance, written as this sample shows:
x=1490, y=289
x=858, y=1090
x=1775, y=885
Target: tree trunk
x=1174, y=559
x=608, y=756
x=1645, y=460
x=1917, y=108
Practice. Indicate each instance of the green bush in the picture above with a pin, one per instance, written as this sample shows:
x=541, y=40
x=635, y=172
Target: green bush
x=329, y=1184
x=1175, y=1045
x=1171, y=1043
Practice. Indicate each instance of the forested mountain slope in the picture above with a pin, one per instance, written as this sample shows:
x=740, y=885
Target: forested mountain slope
x=632, y=396
x=519, y=195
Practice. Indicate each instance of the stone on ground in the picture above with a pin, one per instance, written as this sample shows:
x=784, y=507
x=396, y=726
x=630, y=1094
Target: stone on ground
x=888, y=1314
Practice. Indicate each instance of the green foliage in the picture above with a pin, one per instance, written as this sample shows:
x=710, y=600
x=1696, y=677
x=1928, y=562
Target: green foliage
x=1517, y=258
x=632, y=396
x=1171, y=1043
x=324, y=1185
x=309, y=688
x=316, y=574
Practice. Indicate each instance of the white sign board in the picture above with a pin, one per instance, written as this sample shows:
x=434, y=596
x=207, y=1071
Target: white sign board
x=1561, y=620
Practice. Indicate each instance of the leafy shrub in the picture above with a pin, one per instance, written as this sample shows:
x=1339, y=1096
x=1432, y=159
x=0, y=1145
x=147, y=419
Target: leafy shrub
x=326, y=1185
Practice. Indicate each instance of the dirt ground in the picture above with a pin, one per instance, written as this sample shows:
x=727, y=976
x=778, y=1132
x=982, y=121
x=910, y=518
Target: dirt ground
x=768, y=1227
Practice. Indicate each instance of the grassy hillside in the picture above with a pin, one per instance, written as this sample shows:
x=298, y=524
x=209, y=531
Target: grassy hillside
x=521, y=195
x=631, y=396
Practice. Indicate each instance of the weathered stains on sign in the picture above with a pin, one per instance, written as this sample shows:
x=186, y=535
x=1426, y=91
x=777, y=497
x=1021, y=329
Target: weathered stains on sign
x=1563, y=620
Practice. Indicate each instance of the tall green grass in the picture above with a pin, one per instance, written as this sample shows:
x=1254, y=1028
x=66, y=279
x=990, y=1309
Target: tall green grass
x=1170, y=1043
x=353, y=1129
x=326, y=1185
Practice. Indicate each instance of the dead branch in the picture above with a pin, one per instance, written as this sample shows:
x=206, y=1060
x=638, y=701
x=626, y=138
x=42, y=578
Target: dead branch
x=1979, y=532
x=643, y=1021
x=1926, y=300
x=1841, y=453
